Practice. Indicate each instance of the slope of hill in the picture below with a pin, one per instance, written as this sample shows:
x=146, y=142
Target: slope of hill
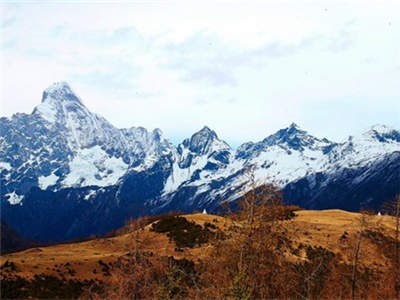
x=329, y=233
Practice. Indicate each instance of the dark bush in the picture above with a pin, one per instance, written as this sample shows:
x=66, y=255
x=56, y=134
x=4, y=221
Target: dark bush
x=105, y=268
x=183, y=232
x=9, y=266
x=44, y=286
x=180, y=276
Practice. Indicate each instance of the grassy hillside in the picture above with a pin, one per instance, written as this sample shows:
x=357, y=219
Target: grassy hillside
x=309, y=255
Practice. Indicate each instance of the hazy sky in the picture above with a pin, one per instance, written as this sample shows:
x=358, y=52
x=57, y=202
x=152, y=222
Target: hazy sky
x=244, y=68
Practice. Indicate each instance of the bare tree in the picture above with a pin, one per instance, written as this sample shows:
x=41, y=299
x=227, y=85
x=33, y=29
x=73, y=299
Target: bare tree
x=393, y=209
x=362, y=226
x=261, y=239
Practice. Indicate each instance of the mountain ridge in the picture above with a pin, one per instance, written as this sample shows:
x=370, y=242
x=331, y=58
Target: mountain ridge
x=71, y=156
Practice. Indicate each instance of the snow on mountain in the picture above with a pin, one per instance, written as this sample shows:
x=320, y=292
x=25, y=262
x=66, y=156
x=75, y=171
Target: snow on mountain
x=284, y=157
x=63, y=110
x=5, y=166
x=46, y=181
x=362, y=150
x=62, y=144
x=383, y=132
x=54, y=98
x=13, y=198
x=93, y=166
x=203, y=152
x=63, y=162
x=292, y=153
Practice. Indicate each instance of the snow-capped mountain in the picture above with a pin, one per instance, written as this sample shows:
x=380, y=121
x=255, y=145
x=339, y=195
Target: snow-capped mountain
x=62, y=144
x=66, y=172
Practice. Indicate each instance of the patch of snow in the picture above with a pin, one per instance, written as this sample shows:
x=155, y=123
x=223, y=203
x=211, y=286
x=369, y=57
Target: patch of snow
x=148, y=162
x=218, y=145
x=47, y=111
x=180, y=175
x=177, y=177
x=93, y=166
x=90, y=194
x=5, y=166
x=201, y=189
x=14, y=198
x=283, y=167
x=46, y=181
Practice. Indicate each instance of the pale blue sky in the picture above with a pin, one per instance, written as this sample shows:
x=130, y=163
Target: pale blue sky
x=244, y=68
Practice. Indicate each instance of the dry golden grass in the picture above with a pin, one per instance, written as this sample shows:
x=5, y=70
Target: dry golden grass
x=336, y=230
x=316, y=228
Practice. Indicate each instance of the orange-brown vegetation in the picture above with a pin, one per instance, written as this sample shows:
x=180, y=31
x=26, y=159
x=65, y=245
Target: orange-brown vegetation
x=265, y=251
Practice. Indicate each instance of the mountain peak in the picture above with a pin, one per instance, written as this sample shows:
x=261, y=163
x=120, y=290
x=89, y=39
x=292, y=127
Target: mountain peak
x=202, y=139
x=382, y=133
x=206, y=130
x=56, y=99
x=56, y=86
x=205, y=140
x=60, y=91
x=293, y=129
x=294, y=137
x=379, y=128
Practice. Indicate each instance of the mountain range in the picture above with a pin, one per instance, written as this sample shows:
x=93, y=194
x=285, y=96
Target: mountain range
x=68, y=173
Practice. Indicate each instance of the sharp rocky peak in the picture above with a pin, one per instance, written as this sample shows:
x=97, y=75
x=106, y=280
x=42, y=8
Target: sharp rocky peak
x=60, y=91
x=142, y=134
x=204, y=141
x=291, y=130
x=292, y=137
x=205, y=132
x=58, y=100
x=295, y=138
x=293, y=126
x=201, y=141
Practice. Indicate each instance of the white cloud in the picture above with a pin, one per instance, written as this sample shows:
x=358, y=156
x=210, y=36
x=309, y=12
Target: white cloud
x=244, y=70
